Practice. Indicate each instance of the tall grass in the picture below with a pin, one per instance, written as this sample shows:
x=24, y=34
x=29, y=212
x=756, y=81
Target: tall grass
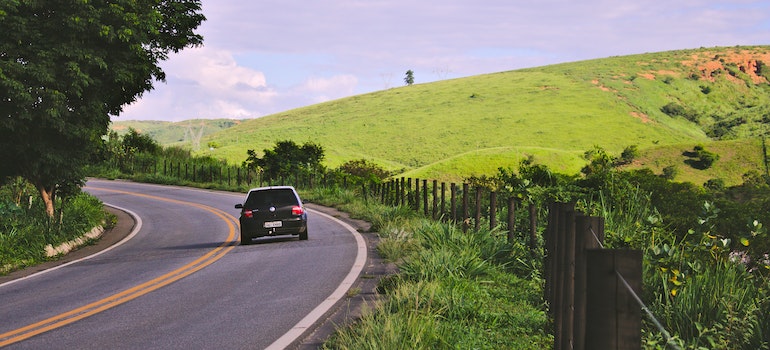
x=25, y=229
x=454, y=289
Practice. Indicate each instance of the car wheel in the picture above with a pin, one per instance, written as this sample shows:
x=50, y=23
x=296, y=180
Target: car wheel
x=303, y=236
x=245, y=239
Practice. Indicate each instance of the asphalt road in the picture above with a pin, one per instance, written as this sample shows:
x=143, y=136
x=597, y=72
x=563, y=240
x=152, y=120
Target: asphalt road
x=181, y=281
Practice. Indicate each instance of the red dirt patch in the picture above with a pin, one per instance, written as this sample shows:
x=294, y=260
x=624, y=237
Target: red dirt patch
x=641, y=116
x=709, y=65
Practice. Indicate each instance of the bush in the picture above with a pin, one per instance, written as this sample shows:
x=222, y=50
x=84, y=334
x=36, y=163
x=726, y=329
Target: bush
x=670, y=172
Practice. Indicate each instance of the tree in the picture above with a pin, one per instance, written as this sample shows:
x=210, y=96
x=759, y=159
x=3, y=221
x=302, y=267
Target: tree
x=286, y=159
x=134, y=142
x=364, y=170
x=409, y=78
x=67, y=66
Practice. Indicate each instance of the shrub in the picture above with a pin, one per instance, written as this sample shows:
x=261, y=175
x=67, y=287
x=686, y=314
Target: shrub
x=628, y=155
x=670, y=172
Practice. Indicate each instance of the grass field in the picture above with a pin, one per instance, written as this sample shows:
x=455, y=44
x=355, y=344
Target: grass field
x=453, y=129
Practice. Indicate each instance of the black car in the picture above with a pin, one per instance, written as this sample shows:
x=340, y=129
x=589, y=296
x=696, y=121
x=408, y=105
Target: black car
x=272, y=211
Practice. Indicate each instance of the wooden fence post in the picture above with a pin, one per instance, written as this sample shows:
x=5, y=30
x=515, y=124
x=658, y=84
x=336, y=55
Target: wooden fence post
x=425, y=197
x=465, y=208
x=453, y=202
x=512, y=220
x=417, y=195
x=613, y=317
x=435, y=199
x=589, y=234
x=443, y=200
x=492, y=210
x=477, y=217
x=567, y=280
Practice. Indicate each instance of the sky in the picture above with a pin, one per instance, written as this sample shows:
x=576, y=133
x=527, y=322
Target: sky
x=262, y=57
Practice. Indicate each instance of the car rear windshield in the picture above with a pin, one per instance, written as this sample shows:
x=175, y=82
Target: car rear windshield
x=272, y=197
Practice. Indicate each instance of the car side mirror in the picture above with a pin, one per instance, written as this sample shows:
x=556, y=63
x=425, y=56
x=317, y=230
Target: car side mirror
x=239, y=206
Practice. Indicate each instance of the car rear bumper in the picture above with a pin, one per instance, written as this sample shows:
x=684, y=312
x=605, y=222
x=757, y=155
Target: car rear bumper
x=255, y=228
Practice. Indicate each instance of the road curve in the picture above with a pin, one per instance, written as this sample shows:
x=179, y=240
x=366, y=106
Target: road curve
x=182, y=281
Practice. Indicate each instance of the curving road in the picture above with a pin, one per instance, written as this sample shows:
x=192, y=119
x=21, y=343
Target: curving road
x=181, y=281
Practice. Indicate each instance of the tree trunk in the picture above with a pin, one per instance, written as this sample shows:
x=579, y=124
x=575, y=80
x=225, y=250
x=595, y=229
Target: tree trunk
x=47, y=194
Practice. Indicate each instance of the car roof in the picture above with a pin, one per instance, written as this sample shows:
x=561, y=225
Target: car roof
x=272, y=188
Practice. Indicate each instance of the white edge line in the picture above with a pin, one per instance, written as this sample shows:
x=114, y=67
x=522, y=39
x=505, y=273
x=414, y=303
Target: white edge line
x=137, y=227
x=358, y=265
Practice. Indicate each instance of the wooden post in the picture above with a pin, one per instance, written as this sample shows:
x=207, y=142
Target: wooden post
x=435, y=199
x=477, y=217
x=558, y=261
x=425, y=197
x=453, y=202
x=465, y=208
x=512, y=220
x=533, y=223
x=443, y=200
x=492, y=210
x=613, y=317
x=409, y=192
x=567, y=272
x=589, y=234
x=417, y=195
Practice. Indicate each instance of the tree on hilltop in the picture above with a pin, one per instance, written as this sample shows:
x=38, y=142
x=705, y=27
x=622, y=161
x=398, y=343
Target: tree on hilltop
x=409, y=78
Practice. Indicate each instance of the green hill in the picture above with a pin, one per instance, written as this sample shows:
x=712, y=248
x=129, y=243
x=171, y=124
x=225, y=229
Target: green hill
x=184, y=133
x=660, y=102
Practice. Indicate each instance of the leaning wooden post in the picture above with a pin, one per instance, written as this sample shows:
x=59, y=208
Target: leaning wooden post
x=613, y=316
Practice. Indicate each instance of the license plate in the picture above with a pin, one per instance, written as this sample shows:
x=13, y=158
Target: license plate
x=272, y=224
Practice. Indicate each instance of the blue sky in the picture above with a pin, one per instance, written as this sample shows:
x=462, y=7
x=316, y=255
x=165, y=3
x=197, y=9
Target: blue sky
x=267, y=56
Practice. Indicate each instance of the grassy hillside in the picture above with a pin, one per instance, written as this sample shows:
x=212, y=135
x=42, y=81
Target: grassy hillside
x=175, y=133
x=471, y=126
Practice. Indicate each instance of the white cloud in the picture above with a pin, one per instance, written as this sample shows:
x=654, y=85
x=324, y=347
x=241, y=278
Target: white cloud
x=267, y=56
x=325, y=89
x=204, y=83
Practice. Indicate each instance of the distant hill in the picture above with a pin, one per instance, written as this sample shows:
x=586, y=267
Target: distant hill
x=186, y=133
x=664, y=103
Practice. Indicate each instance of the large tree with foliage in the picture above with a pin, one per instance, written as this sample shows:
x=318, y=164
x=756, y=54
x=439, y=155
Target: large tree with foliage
x=287, y=159
x=67, y=66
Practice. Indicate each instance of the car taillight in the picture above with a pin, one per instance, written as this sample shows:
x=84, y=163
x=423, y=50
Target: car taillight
x=248, y=213
x=297, y=210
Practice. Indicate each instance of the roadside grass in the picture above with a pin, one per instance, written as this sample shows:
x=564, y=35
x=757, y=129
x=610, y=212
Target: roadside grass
x=25, y=230
x=454, y=289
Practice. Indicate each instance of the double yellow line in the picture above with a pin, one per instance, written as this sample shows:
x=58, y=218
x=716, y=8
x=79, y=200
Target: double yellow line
x=82, y=312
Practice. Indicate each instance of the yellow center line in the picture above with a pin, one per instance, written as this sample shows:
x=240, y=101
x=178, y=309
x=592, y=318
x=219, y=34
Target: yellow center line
x=134, y=292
